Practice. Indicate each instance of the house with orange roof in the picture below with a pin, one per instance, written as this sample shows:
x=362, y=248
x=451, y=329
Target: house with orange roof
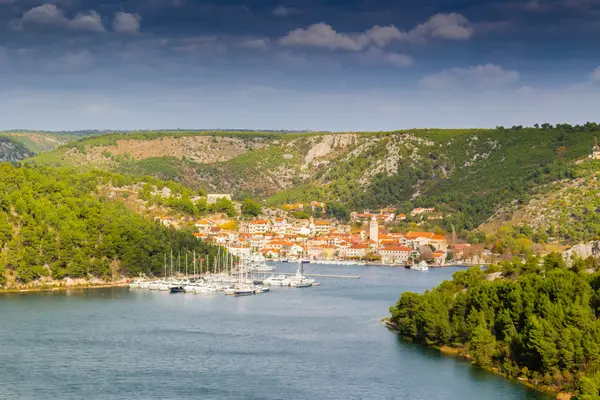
x=418, y=239
x=279, y=244
x=259, y=226
x=204, y=225
x=401, y=217
x=315, y=252
x=279, y=226
x=357, y=251
x=272, y=254
x=439, y=242
x=396, y=255
x=322, y=227
x=439, y=257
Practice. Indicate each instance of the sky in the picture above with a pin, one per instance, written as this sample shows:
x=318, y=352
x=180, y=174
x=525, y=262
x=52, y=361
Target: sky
x=337, y=65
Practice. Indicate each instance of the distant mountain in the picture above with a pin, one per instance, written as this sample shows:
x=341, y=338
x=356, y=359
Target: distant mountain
x=467, y=174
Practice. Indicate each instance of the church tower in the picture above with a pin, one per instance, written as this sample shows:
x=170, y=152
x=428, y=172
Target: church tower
x=374, y=230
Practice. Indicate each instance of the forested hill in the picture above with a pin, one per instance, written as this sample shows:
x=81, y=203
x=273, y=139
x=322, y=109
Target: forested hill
x=54, y=223
x=537, y=321
x=467, y=174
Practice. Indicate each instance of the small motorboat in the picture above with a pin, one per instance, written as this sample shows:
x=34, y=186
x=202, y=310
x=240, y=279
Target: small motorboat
x=177, y=289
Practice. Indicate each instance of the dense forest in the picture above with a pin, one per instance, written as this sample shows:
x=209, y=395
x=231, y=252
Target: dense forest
x=53, y=223
x=538, y=321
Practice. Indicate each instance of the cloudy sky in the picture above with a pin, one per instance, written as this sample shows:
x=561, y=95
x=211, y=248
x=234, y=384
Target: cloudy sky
x=311, y=64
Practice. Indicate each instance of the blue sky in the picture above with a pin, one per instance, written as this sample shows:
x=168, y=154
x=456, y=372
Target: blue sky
x=312, y=64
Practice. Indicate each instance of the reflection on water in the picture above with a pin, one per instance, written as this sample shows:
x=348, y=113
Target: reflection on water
x=325, y=342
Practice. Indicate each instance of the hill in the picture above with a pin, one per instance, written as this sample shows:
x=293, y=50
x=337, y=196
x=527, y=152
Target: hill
x=17, y=145
x=568, y=209
x=467, y=174
x=56, y=223
x=536, y=321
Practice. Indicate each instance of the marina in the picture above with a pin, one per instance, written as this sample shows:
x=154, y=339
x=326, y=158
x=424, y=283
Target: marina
x=242, y=277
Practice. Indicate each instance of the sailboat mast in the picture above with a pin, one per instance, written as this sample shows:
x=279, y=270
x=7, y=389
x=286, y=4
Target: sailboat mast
x=194, y=263
x=171, y=262
x=165, y=264
x=186, y=263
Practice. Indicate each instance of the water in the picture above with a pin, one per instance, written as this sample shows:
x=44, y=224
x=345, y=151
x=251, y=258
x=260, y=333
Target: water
x=324, y=342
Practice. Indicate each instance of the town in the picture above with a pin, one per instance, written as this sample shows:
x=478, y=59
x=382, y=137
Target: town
x=365, y=239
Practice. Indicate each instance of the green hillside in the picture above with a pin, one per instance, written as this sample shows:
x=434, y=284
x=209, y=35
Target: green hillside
x=56, y=223
x=468, y=174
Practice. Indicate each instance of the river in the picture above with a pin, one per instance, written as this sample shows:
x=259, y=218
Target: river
x=324, y=342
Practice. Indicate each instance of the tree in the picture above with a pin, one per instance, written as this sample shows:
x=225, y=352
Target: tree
x=338, y=211
x=251, y=207
x=482, y=346
x=226, y=206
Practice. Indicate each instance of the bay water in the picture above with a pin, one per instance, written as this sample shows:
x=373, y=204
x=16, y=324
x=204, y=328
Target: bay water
x=325, y=342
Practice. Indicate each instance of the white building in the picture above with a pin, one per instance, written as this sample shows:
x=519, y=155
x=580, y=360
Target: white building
x=395, y=254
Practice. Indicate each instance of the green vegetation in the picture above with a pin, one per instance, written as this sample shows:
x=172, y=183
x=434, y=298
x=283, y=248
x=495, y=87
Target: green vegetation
x=251, y=208
x=539, y=321
x=53, y=223
x=166, y=168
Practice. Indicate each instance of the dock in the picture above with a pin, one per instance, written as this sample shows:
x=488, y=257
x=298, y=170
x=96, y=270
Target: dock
x=322, y=275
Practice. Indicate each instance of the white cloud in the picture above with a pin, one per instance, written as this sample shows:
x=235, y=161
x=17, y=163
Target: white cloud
x=488, y=76
x=50, y=16
x=595, y=76
x=320, y=35
x=256, y=43
x=378, y=56
x=446, y=26
x=127, y=23
x=442, y=26
x=382, y=35
x=283, y=11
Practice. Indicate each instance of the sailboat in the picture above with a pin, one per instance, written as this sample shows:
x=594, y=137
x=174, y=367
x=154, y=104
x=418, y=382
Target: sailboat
x=299, y=280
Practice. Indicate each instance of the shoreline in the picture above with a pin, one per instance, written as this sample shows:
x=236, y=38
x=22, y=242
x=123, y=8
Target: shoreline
x=459, y=352
x=62, y=288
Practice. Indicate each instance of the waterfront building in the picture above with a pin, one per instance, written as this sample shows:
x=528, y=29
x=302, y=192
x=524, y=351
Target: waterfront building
x=395, y=255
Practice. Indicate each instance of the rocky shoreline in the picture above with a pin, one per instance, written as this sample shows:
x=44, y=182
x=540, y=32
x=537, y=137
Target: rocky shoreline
x=62, y=287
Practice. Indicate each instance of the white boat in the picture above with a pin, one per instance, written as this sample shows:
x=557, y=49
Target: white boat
x=422, y=266
x=135, y=284
x=262, y=268
x=276, y=280
x=299, y=280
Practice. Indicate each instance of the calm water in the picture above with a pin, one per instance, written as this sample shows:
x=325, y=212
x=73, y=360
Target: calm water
x=325, y=342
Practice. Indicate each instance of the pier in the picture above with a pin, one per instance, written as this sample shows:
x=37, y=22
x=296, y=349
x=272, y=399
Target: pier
x=323, y=275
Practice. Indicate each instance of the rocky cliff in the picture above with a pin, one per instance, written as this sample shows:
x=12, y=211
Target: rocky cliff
x=12, y=151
